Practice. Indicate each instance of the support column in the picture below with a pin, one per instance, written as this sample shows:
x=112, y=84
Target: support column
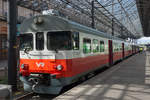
x=12, y=29
x=112, y=18
x=112, y=26
x=92, y=12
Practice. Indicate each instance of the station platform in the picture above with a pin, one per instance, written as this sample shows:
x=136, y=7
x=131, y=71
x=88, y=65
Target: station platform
x=128, y=80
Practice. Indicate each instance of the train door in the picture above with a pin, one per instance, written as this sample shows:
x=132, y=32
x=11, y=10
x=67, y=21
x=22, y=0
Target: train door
x=122, y=50
x=110, y=52
x=75, y=63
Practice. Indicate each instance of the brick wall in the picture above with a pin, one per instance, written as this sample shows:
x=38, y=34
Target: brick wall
x=3, y=31
x=3, y=27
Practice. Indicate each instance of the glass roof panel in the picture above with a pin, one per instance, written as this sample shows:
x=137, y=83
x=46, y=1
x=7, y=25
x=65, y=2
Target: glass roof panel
x=123, y=12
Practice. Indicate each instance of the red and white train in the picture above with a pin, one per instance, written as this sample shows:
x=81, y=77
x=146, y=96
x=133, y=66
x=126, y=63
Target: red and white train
x=55, y=52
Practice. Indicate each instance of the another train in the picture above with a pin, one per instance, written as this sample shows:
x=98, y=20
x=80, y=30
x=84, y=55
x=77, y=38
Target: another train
x=55, y=52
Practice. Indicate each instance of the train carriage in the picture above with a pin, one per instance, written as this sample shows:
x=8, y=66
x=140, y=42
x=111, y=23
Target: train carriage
x=55, y=52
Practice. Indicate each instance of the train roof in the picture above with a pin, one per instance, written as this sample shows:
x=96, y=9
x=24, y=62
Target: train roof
x=56, y=23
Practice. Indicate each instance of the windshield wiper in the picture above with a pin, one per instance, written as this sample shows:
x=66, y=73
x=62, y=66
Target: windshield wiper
x=56, y=50
x=26, y=50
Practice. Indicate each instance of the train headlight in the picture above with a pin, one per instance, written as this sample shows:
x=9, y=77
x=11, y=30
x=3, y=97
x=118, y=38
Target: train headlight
x=25, y=66
x=22, y=66
x=59, y=67
x=38, y=20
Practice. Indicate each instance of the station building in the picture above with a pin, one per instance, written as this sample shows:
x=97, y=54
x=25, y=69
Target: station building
x=22, y=14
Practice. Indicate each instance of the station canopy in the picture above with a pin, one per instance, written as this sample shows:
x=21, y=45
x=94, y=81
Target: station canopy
x=144, y=12
x=121, y=16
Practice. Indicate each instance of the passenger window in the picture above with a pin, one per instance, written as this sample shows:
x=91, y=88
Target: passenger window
x=76, y=40
x=102, y=46
x=95, y=46
x=86, y=46
x=116, y=47
x=39, y=41
x=120, y=47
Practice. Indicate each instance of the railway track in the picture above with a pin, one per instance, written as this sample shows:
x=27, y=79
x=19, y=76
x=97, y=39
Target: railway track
x=26, y=96
x=33, y=96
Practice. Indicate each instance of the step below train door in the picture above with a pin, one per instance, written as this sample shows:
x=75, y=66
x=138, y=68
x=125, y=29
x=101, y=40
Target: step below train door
x=110, y=53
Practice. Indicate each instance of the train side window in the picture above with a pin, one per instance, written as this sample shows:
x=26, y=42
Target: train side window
x=102, y=46
x=39, y=41
x=86, y=45
x=120, y=47
x=95, y=46
x=117, y=47
x=75, y=40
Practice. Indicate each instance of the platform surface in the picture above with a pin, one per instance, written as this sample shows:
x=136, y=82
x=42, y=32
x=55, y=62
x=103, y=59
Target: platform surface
x=5, y=92
x=128, y=80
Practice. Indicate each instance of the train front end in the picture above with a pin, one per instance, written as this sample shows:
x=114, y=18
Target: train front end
x=45, y=57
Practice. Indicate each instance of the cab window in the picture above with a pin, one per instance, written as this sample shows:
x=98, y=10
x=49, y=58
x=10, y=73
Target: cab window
x=60, y=40
x=26, y=42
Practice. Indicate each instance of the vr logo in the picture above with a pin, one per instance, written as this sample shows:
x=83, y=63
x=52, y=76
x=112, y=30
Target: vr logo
x=40, y=64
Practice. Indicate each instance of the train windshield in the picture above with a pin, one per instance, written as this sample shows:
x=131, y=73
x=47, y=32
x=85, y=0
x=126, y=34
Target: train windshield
x=26, y=42
x=59, y=40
